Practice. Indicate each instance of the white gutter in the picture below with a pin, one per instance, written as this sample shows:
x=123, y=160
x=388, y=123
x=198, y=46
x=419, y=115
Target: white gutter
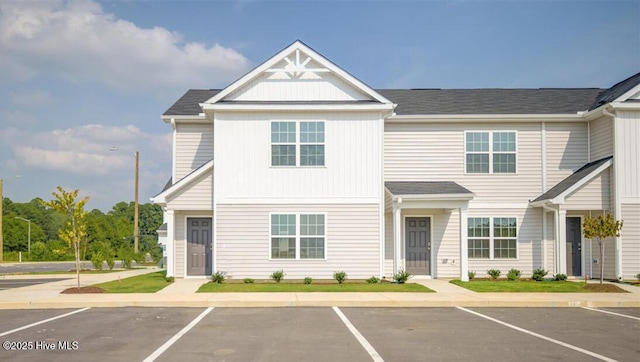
x=578, y=117
x=297, y=107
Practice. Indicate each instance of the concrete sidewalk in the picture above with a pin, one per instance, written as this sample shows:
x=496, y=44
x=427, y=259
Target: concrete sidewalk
x=182, y=294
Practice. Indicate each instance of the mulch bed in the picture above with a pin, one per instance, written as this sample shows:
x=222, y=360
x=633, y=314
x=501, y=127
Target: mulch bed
x=604, y=288
x=82, y=290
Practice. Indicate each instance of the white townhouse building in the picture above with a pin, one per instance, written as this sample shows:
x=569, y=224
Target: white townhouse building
x=300, y=166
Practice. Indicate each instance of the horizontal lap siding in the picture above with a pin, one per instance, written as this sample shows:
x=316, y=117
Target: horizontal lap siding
x=529, y=244
x=630, y=240
x=179, y=245
x=595, y=195
x=388, y=245
x=435, y=152
x=196, y=196
x=601, y=138
x=193, y=148
x=352, y=241
x=550, y=236
x=566, y=150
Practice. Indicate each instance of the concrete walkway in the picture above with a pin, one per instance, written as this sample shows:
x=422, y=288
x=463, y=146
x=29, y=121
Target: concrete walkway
x=182, y=294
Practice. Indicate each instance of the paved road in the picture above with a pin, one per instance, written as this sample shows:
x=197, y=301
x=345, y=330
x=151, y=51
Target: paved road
x=17, y=283
x=321, y=334
x=11, y=268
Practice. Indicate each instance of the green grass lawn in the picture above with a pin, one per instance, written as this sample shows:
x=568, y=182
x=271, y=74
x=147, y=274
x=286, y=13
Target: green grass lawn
x=146, y=283
x=531, y=286
x=300, y=288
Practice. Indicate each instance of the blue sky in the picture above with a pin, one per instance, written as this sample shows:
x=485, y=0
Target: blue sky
x=80, y=77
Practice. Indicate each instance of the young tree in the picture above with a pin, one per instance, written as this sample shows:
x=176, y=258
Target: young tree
x=75, y=230
x=600, y=228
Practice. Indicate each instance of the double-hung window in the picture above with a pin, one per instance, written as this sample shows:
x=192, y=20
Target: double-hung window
x=492, y=237
x=297, y=236
x=490, y=152
x=297, y=143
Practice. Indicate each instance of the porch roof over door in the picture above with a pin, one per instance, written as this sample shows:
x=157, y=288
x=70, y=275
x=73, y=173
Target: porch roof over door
x=428, y=194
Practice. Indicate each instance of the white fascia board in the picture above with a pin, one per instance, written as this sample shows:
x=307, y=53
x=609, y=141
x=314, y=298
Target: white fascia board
x=436, y=197
x=486, y=117
x=626, y=106
x=296, y=107
x=560, y=199
x=201, y=118
x=285, y=52
x=161, y=198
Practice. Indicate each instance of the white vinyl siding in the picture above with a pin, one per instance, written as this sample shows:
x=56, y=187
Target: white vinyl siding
x=594, y=195
x=193, y=148
x=436, y=152
x=195, y=196
x=627, y=156
x=179, y=245
x=630, y=240
x=601, y=138
x=352, y=153
x=352, y=234
x=566, y=150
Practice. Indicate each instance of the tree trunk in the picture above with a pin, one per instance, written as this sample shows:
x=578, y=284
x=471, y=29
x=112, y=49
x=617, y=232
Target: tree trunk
x=601, y=260
x=77, y=249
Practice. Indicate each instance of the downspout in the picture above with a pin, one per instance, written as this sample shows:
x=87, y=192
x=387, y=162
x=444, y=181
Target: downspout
x=617, y=210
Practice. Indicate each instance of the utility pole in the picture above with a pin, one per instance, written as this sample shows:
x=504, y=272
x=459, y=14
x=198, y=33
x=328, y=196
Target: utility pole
x=1, y=245
x=135, y=210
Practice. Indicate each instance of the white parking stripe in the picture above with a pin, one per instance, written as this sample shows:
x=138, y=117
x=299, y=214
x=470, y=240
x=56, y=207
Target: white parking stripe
x=606, y=311
x=177, y=336
x=363, y=341
x=548, y=339
x=43, y=321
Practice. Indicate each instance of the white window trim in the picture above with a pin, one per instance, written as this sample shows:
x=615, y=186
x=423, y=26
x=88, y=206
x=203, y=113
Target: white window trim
x=492, y=237
x=298, y=144
x=490, y=152
x=297, y=236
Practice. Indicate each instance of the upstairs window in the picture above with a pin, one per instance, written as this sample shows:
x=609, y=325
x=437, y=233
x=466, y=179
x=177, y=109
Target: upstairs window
x=490, y=152
x=292, y=148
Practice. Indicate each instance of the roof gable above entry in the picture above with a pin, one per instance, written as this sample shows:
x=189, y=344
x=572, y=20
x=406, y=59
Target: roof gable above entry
x=297, y=73
x=574, y=181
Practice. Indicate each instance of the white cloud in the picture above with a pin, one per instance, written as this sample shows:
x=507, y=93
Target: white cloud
x=86, y=150
x=78, y=41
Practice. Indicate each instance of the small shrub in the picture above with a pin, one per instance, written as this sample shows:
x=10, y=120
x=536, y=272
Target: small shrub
x=402, y=276
x=539, y=274
x=126, y=255
x=373, y=280
x=277, y=275
x=560, y=277
x=308, y=280
x=638, y=276
x=218, y=277
x=248, y=281
x=513, y=274
x=494, y=273
x=340, y=276
x=170, y=279
x=471, y=274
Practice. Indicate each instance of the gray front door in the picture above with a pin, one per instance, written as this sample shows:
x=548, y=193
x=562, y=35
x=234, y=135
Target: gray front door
x=418, y=245
x=199, y=246
x=574, y=247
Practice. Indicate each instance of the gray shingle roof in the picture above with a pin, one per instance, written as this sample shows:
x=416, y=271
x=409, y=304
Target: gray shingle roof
x=565, y=184
x=616, y=91
x=449, y=101
x=491, y=101
x=425, y=188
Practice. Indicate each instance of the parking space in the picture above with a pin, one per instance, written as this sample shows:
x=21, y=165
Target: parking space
x=18, y=283
x=319, y=334
x=633, y=312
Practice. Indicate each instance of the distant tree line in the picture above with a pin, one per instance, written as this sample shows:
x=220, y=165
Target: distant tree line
x=104, y=231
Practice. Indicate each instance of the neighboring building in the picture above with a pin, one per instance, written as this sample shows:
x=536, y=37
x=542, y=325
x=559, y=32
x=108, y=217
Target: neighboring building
x=300, y=166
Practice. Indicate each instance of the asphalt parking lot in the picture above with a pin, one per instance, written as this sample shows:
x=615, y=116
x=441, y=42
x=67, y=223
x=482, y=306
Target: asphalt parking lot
x=321, y=334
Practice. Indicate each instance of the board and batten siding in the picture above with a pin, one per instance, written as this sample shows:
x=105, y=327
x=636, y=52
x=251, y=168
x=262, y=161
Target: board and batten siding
x=529, y=242
x=566, y=150
x=627, y=156
x=601, y=138
x=630, y=240
x=195, y=196
x=595, y=195
x=308, y=87
x=352, y=241
x=352, y=159
x=436, y=152
x=193, y=148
